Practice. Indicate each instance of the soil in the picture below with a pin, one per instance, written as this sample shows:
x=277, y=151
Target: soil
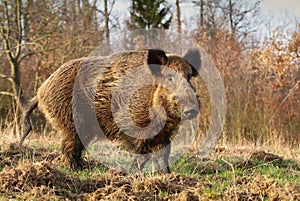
x=36, y=173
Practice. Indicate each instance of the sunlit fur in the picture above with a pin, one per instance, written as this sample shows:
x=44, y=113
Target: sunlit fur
x=55, y=99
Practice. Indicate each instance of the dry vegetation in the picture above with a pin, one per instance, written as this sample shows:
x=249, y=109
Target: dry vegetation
x=38, y=172
x=262, y=88
x=258, y=156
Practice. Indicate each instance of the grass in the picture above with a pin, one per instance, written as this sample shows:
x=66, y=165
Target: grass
x=219, y=174
x=224, y=175
x=288, y=171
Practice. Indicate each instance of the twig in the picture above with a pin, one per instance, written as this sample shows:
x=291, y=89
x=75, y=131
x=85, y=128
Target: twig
x=285, y=98
x=5, y=76
x=5, y=93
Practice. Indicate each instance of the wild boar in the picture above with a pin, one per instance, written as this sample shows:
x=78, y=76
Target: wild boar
x=128, y=92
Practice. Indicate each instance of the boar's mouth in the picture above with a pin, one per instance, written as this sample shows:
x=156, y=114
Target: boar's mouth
x=190, y=113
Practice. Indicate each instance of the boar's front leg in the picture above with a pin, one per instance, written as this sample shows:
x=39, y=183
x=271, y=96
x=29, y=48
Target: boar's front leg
x=161, y=159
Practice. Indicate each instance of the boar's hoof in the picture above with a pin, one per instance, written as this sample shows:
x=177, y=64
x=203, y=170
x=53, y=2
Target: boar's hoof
x=167, y=170
x=76, y=164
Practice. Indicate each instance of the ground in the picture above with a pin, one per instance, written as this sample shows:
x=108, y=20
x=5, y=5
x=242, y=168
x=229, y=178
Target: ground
x=39, y=173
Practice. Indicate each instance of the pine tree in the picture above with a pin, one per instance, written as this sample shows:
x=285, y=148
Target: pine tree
x=149, y=14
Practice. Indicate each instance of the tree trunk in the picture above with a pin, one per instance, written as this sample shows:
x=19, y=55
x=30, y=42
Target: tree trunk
x=232, y=27
x=14, y=55
x=201, y=13
x=179, y=25
x=106, y=17
x=178, y=17
x=16, y=86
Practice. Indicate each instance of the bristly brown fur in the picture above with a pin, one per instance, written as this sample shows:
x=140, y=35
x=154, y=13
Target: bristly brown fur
x=55, y=99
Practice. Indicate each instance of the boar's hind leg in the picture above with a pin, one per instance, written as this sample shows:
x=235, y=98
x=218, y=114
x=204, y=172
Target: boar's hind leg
x=140, y=161
x=72, y=149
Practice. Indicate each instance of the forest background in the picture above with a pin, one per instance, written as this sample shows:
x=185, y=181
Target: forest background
x=258, y=58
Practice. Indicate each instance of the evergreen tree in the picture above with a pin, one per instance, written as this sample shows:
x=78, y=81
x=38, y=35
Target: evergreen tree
x=149, y=14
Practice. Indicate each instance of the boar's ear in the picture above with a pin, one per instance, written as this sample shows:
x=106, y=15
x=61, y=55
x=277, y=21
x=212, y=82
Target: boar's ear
x=193, y=57
x=156, y=59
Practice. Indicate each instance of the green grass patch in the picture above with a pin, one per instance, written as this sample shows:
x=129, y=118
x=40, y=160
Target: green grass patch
x=280, y=174
x=220, y=174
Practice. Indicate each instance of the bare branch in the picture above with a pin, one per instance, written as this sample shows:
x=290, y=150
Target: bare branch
x=19, y=27
x=26, y=55
x=111, y=6
x=100, y=11
x=29, y=43
x=7, y=18
x=5, y=93
x=2, y=76
x=5, y=33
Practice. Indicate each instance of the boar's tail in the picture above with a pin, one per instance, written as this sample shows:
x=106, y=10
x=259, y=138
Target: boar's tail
x=31, y=106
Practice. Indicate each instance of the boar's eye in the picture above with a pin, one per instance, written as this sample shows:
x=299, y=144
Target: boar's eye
x=170, y=78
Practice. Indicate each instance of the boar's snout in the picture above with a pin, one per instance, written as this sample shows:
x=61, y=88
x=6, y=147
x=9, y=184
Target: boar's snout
x=190, y=113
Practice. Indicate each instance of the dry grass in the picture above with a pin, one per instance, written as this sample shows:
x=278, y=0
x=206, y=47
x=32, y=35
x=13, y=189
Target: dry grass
x=38, y=172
